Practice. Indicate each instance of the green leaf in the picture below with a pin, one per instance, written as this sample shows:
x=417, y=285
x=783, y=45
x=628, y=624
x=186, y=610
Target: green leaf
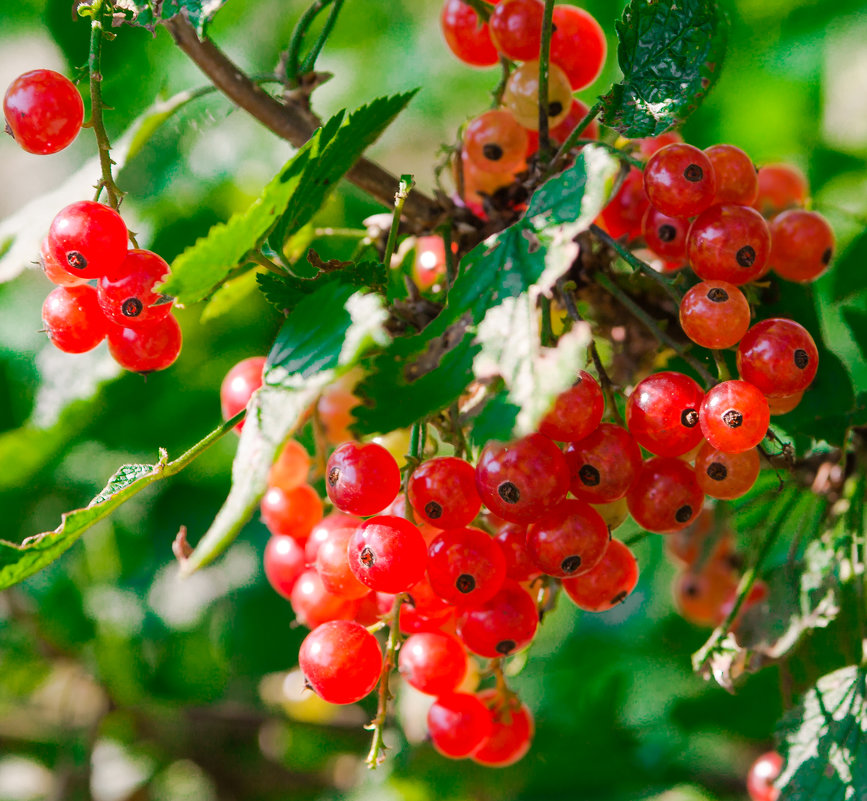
x=671, y=54
x=823, y=742
x=324, y=337
x=286, y=204
x=149, y=13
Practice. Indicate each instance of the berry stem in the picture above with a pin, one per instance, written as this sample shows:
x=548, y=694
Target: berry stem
x=481, y=8
x=547, y=334
x=403, y=190
x=310, y=59
x=263, y=261
x=722, y=368
x=573, y=138
x=376, y=755
x=506, y=70
x=544, y=69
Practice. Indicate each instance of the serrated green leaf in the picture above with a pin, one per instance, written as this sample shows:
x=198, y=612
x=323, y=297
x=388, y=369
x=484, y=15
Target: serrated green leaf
x=671, y=54
x=324, y=337
x=149, y=13
x=823, y=741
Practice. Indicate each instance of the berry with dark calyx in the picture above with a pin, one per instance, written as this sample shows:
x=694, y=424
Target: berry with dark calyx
x=737, y=178
x=361, y=479
x=341, y=661
x=560, y=133
x=239, y=385
x=314, y=605
x=495, y=142
x=516, y=29
x=726, y=476
x=802, y=245
x=458, y=724
x=54, y=271
x=513, y=541
x=426, y=601
x=465, y=566
x=608, y=583
x=665, y=496
x=467, y=36
x=521, y=480
x=734, y=416
x=512, y=731
x=388, y=554
x=284, y=563
x=147, y=347
x=291, y=466
x=73, y=320
x=577, y=412
x=43, y=110
x=502, y=625
x=292, y=513
x=129, y=298
x=443, y=492
x=715, y=314
x=762, y=775
x=433, y=662
x=778, y=356
x=664, y=235
x=662, y=413
x=781, y=187
x=679, y=180
x=729, y=243
x=88, y=239
x=332, y=565
x=521, y=95
x=578, y=45
x=569, y=540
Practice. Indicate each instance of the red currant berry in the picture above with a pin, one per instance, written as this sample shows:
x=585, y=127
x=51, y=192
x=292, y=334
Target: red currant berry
x=129, y=300
x=362, y=479
x=55, y=271
x=781, y=187
x=314, y=605
x=699, y=540
x=803, y=244
x=284, y=563
x=495, y=142
x=785, y=404
x=411, y=622
x=502, y=625
x=569, y=540
x=578, y=45
x=512, y=538
x=424, y=600
x=737, y=179
x=700, y=595
x=729, y=243
x=43, y=110
x=147, y=347
x=467, y=36
x=648, y=145
x=292, y=513
x=778, y=356
x=560, y=133
x=522, y=480
x=73, y=319
x=516, y=29
x=239, y=385
x=734, y=416
x=662, y=413
x=291, y=467
x=341, y=661
x=625, y=211
x=458, y=724
x=512, y=731
x=607, y=584
x=577, y=412
x=603, y=465
x=88, y=240
x=715, y=314
x=665, y=236
x=429, y=267
x=665, y=496
x=465, y=566
x=322, y=531
x=332, y=565
x=387, y=553
x=679, y=180
x=726, y=476
x=433, y=662
x=763, y=773
x=521, y=95
x=443, y=492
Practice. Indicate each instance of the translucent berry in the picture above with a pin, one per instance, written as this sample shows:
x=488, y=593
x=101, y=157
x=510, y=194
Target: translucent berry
x=665, y=496
x=576, y=412
x=443, y=492
x=700, y=595
x=128, y=299
x=512, y=538
x=778, y=356
x=88, y=239
x=239, y=385
x=715, y=314
x=73, y=320
x=424, y=599
x=429, y=267
x=608, y=583
x=284, y=563
x=387, y=553
x=511, y=734
x=433, y=662
x=458, y=724
x=762, y=775
x=322, y=531
x=623, y=214
x=54, y=271
x=734, y=416
x=737, y=179
x=578, y=45
x=335, y=407
x=291, y=466
x=569, y=540
x=361, y=479
x=803, y=245
x=781, y=187
x=662, y=413
x=516, y=29
x=664, y=235
x=648, y=145
x=679, y=180
x=465, y=566
x=603, y=465
x=314, y=605
x=785, y=404
x=467, y=36
x=729, y=243
x=521, y=96
x=495, y=142
x=147, y=347
x=726, y=476
x=44, y=111
x=332, y=565
x=292, y=513
x=502, y=625
x=699, y=542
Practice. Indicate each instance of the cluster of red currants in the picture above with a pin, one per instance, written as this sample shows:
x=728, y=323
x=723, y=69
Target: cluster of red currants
x=497, y=144
x=87, y=241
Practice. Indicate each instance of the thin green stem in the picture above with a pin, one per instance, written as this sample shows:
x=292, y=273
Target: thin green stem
x=292, y=57
x=481, y=8
x=310, y=59
x=376, y=755
x=505, y=71
x=544, y=69
x=563, y=153
x=625, y=300
x=722, y=369
x=403, y=190
x=629, y=542
x=344, y=233
x=263, y=261
x=620, y=153
x=547, y=331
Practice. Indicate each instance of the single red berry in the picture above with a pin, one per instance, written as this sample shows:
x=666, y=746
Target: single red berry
x=762, y=775
x=332, y=565
x=443, y=492
x=467, y=36
x=715, y=314
x=239, y=385
x=411, y=622
x=664, y=235
x=387, y=553
x=284, y=563
x=737, y=179
x=502, y=625
x=147, y=347
x=662, y=413
x=54, y=271
x=512, y=538
x=803, y=245
x=521, y=95
x=512, y=731
x=314, y=605
x=726, y=476
x=734, y=416
x=701, y=595
x=781, y=187
x=608, y=583
x=523, y=479
x=88, y=239
x=322, y=531
x=424, y=599
x=665, y=496
x=560, y=133
x=495, y=142
x=129, y=298
x=778, y=356
x=516, y=29
x=458, y=724
x=429, y=267
x=292, y=513
x=361, y=479
x=433, y=662
x=43, y=110
x=729, y=243
x=648, y=145
x=700, y=541
x=291, y=466
x=577, y=412
x=465, y=566
x=679, y=180
x=623, y=214
x=603, y=465
x=73, y=319
x=569, y=540
x=341, y=661
x=785, y=404
x=578, y=45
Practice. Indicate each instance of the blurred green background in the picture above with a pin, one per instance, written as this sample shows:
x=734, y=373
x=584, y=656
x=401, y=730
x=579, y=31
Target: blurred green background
x=119, y=681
